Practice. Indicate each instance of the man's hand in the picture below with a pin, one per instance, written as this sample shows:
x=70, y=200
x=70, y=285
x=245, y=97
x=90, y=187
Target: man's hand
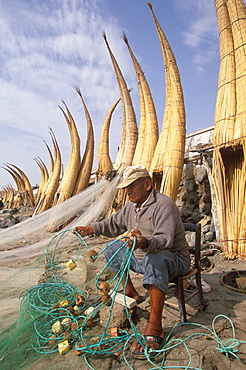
x=141, y=241
x=84, y=230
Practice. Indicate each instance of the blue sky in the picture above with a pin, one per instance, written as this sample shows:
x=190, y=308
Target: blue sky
x=47, y=47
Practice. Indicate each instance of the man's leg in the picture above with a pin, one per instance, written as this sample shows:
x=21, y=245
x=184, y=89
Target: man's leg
x=154, y=324
x=130, y=289
x=116, y=263
x=159, y=269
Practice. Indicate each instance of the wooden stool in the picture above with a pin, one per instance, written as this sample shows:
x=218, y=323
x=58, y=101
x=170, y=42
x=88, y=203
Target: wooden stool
x=194, y=271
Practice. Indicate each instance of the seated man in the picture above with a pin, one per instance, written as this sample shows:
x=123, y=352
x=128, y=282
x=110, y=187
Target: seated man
x=161, y=251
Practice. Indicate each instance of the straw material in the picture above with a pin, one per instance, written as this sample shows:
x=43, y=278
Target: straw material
x=129, y=124
x=148, y=133
x=8, y=195
x=104, y=160
x=46, y=199
x=85, y=167
x=15, y=201
x=229, y=164
x=16, y=177
x=168, y=161
x=225, y=110
x=142, y=128
x=67, y=184
x=44, y=177
x=45, y=173
x=237, y=14
x=52, y=162
x=24, y=186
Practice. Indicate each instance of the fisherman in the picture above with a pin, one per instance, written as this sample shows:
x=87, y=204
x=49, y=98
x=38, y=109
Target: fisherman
x=161, y=252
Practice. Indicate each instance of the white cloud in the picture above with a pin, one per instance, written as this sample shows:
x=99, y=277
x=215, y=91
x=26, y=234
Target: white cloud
x=45, y=49
x=201, y=32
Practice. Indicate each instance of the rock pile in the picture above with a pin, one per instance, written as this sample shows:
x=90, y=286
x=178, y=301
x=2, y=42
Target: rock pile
x=194, y=200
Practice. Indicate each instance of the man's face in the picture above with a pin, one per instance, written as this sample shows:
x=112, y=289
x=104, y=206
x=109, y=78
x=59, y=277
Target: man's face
x=138, y=191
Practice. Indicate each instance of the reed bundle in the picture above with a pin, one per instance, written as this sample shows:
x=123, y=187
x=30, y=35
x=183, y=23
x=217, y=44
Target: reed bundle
x=229, y=164
x=44, y=177
x=86, y=164
x=148, y=131
x=142, y=128
x=225, y=109
x=168, y=161
x=104, y=160
x=67, y=184
x=23, y=186
x=16, y=177
x=129, y=124
x=52, y=162
x=48, y=194
x=237, y=14
x=15, y=201
x=8, y=195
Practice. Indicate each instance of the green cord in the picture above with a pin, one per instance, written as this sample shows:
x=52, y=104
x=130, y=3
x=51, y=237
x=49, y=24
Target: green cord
x=39, y=300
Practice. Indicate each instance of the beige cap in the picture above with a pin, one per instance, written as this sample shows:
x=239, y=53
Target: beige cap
x=131, y=174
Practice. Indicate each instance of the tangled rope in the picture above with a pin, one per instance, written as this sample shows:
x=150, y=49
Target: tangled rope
x=61, y=313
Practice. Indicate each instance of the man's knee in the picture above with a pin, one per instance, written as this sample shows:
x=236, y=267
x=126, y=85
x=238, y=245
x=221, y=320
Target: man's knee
x=160, y=259
x=115, y=255
x=111, y=249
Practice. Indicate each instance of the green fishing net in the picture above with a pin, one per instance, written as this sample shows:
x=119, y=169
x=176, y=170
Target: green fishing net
x=50, y=310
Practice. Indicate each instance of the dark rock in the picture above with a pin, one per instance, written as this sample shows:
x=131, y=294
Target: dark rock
x=8, y=221
x=6, y=210
x=206, y=229
x=201, y=174
x=190, y=185
x=189, y=172
x=15, y=210
x=194, y=197
x=23, y=218
x=212, y=227
x=206, y=208
x=209, y=237
x=185, y=213
x=206, y=198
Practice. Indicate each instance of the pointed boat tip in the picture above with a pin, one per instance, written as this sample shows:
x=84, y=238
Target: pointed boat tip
x=78, y=90
x=150, y=6
x=124, y=37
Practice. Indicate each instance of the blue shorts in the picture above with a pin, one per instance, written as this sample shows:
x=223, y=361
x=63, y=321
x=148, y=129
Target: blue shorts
x=158, y=268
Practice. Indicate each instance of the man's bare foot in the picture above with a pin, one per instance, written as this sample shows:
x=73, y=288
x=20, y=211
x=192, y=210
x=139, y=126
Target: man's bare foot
x=133, y=295
x=151, y=330
x=131, y=291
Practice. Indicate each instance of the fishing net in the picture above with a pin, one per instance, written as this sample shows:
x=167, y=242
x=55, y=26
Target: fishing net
x=43, y=289
x=56, y=313
x=29, y=238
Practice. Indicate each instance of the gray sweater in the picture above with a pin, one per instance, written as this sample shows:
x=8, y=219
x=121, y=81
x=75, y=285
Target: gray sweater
x=158, y=220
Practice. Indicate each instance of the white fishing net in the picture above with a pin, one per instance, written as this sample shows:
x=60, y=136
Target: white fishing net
x=28, y=238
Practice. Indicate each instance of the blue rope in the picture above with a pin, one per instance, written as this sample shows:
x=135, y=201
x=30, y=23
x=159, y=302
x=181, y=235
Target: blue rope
x=41, y=302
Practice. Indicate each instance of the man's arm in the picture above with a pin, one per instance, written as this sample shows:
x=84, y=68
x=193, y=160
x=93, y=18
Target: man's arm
x=141, y=241
x=84, y=230
x=111, y=227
